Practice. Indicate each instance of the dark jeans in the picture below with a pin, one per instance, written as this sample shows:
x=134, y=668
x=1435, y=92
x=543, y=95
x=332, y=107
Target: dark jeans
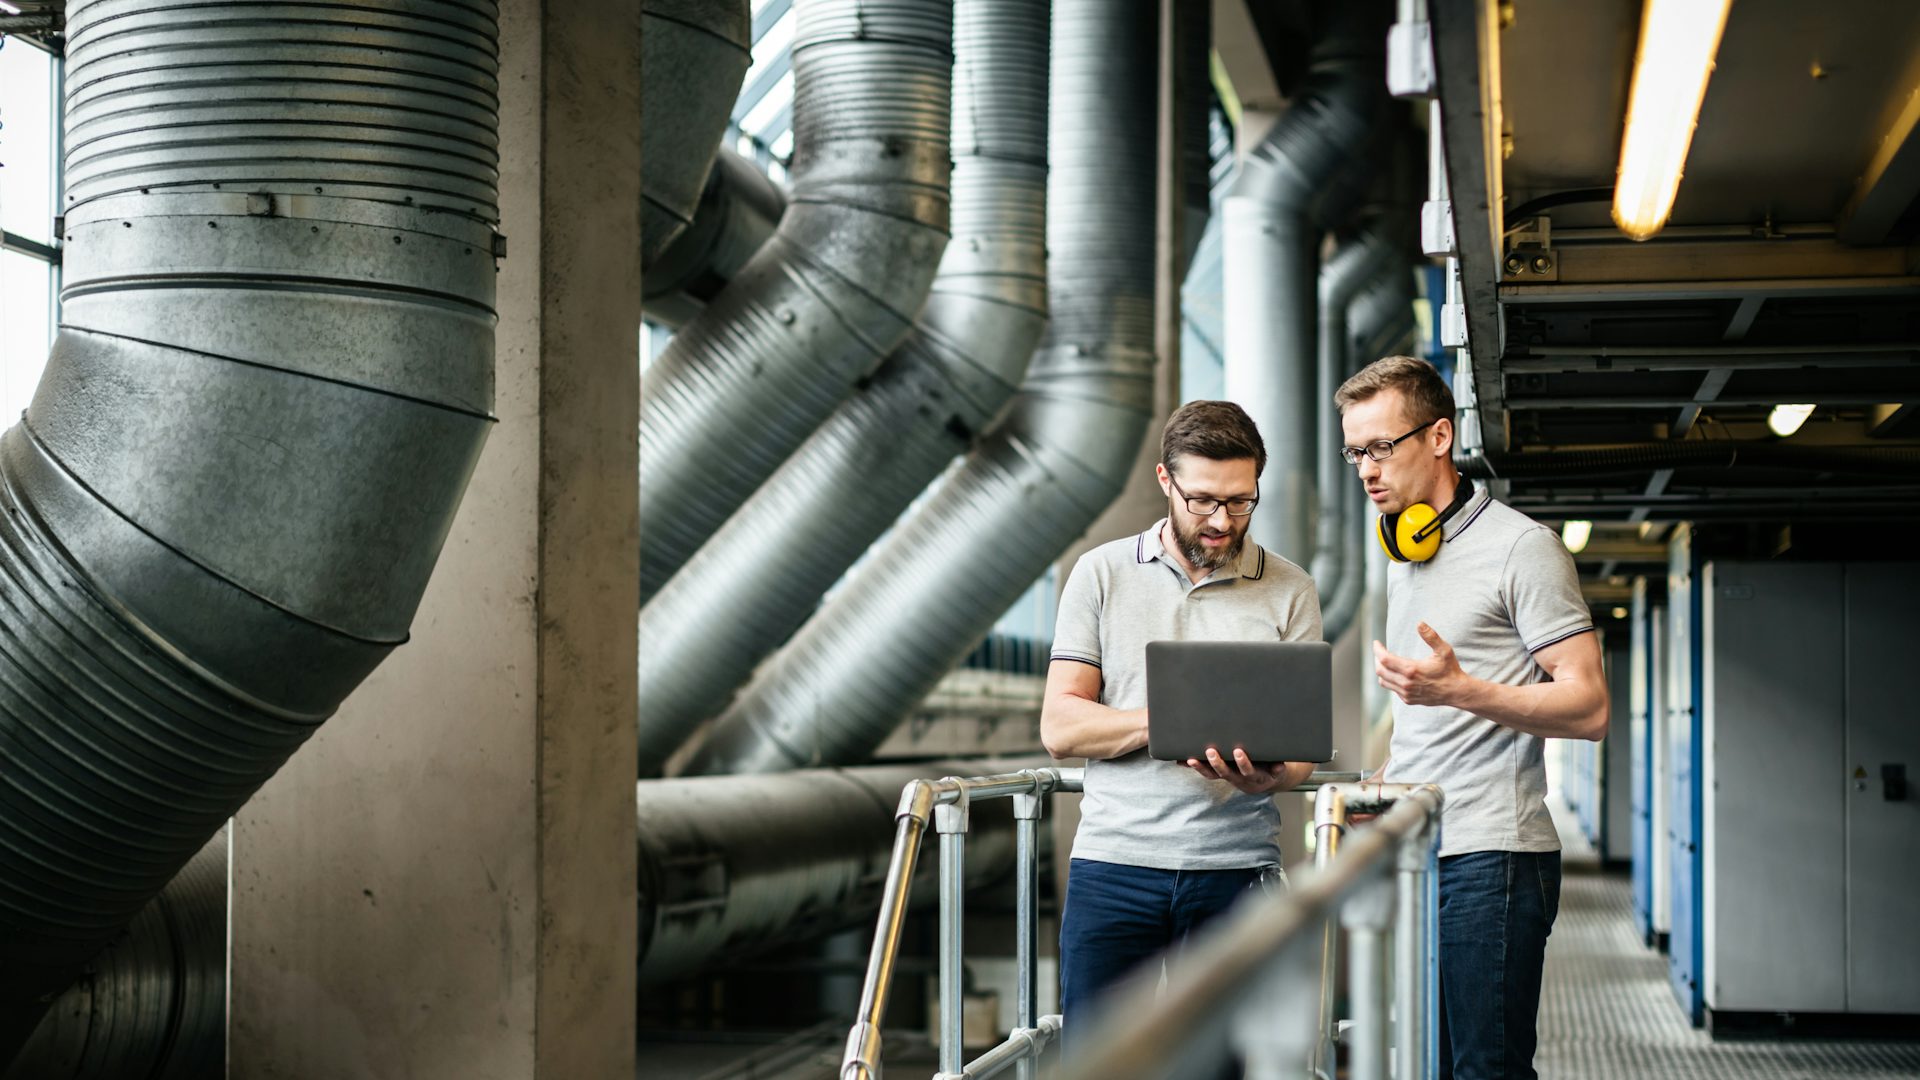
x=1119, y=917
x=1496, y=910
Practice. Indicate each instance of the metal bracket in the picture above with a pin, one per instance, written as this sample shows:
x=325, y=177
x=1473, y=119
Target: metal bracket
x=1370, y=907
x=1530, y=256
x=1436, y=228
x=953, y=817
x=1410, y=60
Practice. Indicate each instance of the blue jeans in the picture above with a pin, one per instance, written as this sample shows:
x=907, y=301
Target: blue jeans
x=1117, y=918
x=1496, y=910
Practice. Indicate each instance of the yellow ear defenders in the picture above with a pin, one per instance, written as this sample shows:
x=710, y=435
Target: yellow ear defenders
x=1413, y=534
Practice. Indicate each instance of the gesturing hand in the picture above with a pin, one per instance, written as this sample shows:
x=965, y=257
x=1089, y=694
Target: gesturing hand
x=1242, y=773
x=1432, y=680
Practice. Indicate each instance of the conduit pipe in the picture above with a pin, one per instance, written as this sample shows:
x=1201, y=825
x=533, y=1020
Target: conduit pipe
x=1900, y=461
x=952, y=377
x=830, y=295
x=153, y=1006
x=693, y=56
x=1357, y=260
x=270, y=387
x=1390, y=325
x=1271, y=239
x=936, y=585
x=730, y=866
x=738, y=211
x=1193, y=97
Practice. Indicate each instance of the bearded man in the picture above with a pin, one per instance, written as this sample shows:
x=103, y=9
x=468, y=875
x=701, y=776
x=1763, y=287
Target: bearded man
x=1165, y=847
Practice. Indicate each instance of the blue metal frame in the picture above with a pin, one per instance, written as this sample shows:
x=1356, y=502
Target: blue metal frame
x=1643, y=779
x=1686, y=959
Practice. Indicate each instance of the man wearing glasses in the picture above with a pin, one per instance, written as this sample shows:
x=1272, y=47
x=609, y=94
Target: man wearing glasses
x=1488, y=654
x=1164, y=847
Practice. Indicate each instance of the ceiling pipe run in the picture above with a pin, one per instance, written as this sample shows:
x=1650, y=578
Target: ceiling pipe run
x=279, y=278
x=1357, y=260
x=1273, y=219
x=948, y=381
x=693, y=56
x=933, y=589
x=830, y=295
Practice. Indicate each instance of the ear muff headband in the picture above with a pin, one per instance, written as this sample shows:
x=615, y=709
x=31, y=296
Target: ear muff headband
x=1414, y=534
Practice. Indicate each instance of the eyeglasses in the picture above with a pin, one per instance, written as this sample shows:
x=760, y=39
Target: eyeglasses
x=1206, y=507
x=1382, y=449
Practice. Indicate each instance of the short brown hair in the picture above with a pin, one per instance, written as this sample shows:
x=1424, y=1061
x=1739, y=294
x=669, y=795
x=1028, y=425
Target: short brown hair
x=1217, y=430
x=1425, y=394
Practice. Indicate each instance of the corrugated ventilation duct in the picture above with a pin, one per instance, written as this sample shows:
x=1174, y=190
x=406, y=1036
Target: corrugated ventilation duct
x=1355, y=263
x=1271, y=241
x=153, y=1006
x=934, y=588
x=830, y=296
x=963, y=362
x=1193, y=97
x=271, y=385
x=693, y=55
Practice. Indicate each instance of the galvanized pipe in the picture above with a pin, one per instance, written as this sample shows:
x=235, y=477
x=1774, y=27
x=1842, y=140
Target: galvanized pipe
x=693, y=56
x=1329, y=825
x=830, y=295
x=1272, y=215
x=738, y=210
x=842, y=684
x=1410, y=947
x=279, y=279
x=1366, y=917
x=1027, y=810
x=1022, y=1047
x=950, y=821
x=880, y=449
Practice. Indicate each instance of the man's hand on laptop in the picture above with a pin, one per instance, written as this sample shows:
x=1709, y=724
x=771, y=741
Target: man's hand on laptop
x=1250, y=776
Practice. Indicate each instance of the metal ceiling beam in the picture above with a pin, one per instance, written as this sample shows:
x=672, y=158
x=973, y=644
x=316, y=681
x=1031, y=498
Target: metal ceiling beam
x=1892, y=180
x=1550, y=360
x=1709, y=391
x=1708, y=395
x=1466, y=48
x=1657, y=485
x=771, y=13
x=1888, y=420
x=1728, y=289
x=763, y=84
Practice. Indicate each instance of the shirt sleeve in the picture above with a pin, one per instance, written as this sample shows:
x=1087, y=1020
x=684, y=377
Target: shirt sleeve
x=1303, y=616
x=1542, y=591
x=1076, y=632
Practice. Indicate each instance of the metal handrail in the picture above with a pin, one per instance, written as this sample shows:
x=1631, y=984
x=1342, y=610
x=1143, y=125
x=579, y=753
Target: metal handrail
x=946, y=804
x=1247, y=977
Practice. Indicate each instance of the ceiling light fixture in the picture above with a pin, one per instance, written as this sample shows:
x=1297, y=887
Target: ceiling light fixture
x=9, y=8
x=1575, y=533
x=1678, y=39
x=1786, y=419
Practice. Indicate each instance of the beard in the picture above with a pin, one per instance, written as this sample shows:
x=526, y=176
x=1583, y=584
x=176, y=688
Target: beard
x=1197, y=554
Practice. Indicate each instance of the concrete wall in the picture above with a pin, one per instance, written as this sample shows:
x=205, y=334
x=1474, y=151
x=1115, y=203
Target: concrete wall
x=441, y=884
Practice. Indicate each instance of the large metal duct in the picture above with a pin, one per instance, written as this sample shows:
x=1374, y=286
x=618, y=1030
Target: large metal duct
x=1271, y=240
x=1357, y=260
x=693, y=55
x=1193, y=106
x=730, y=866
x=952, y=377
x=934, y=588
x=830, y=296
x=271, y=385
x=738, y=211
x=153, y=1006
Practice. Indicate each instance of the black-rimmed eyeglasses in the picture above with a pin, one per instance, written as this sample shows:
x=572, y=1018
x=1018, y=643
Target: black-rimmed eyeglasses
x=1382, y=449
x=1202, y=507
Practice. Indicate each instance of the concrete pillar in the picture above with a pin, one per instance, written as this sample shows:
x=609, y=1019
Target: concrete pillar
x=440, y=886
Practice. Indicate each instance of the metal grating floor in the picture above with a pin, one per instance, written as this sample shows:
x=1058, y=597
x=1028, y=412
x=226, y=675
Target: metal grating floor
x=1606, y=1010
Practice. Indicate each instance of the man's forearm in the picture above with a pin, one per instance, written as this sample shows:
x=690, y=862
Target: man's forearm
x=1072, y=726
x=1551, y=710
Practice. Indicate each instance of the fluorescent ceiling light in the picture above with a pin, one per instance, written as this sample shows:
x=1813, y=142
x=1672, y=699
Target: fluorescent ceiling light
x=8, y=8
x=1575, y=533
x=1677, y=41
x=1786, y=419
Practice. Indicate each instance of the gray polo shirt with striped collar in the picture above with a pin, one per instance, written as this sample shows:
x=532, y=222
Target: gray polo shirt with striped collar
x=1501, y=587
x=1138, y=811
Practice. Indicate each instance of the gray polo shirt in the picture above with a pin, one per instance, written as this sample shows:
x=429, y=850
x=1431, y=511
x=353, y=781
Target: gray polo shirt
x=1138, y=811
x=1501, y=587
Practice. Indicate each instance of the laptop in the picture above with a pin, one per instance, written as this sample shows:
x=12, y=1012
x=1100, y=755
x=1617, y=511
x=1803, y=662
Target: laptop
x=1274, y=699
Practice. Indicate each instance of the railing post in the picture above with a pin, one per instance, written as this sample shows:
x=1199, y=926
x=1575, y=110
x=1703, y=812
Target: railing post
x=1430, y=953
x=1411, y=927
x=950, y=820
x=1272, y=1034
x=1366, y=918
x=1329, y=824
x=1027, y=810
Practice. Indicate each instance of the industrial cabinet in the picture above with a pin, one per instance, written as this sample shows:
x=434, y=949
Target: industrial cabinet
x=1683, y=767
x=1810, y=840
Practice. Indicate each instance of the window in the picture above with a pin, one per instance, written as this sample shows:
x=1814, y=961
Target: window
x=28, y=182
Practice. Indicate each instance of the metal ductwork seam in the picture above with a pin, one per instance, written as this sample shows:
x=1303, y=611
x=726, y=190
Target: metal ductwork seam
x=1271, y=239
x=693, y=57
x=1357, y=260
x=271, y=385
x=153, y=1006
x=731, y=866
x=825, y=301
x=948, y=381
x=933, y=589
x=738, y=211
